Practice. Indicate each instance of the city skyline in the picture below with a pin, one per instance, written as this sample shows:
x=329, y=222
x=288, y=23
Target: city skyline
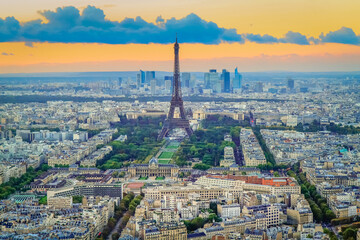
x=301, y=36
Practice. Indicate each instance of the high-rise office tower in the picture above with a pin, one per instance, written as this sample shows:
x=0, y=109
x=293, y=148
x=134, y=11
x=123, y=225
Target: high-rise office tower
x=290, y=83
x=259, y=87
x=153, y=87
x=142, y=78
x=150, y=75
x=237, y=80
x=185, y=79
x=169, y=78
x=168, y=86
x=119, y=81
x=138, y=80
x=192, y=81
x=207, y=80
x=225, y=77
x=212, y=80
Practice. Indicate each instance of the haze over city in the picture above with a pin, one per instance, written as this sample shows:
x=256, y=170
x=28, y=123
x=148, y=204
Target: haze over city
x=177, y=120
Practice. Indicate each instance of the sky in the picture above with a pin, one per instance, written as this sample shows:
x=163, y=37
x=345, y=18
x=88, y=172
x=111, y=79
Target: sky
x=122, y=35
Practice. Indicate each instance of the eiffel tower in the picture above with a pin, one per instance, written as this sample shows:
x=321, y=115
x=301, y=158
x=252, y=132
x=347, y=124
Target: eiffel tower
x=176, y=101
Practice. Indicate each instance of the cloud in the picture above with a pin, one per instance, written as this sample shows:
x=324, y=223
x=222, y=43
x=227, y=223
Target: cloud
x=290, y=37
x=295, y=38
x=261, y=38
x=29, y=44
x=159, y=19
x=9, y=29
x=7, y=54
x=69, y=25
x=343, y=35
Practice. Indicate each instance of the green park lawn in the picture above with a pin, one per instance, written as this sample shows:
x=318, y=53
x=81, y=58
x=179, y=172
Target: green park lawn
x=143, y=178
x=172, y=146
x=166, y=155
x=159, y=178
x=164, y=161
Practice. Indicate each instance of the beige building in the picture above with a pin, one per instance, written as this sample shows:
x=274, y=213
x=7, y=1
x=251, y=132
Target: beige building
x=153, y=169
x=201, y=114
x=183, y=192
x=253, y=154
x=220, y=182
x=299, y=216
x=229, y=211
x=167, y=231
x=60, y=202
x=145, y=113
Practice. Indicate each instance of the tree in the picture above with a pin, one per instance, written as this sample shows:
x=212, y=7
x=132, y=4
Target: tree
x=77, y=199
x=111, y=223
x=201, y=166
x=349, y=233
x=213, y=206
x=43, y=200
x=115, y=236
x=329, y=215
x=115, y=174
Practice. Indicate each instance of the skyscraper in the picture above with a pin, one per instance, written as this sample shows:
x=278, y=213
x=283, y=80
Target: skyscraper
x=153, y=87
x=212, y=80
x=290, y=83
x=169, y=78
x=168, y=85
x=207, y=80
x=225, y=77
x=259, y=87
x=237, y=80
x=142, y=78
x=138, y=80
x=119, y=81
x=150, y=75
x=186, y=79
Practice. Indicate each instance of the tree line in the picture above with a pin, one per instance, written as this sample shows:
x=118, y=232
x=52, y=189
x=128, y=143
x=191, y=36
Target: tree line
x=124, y=211
x=318, y=204
x=21, y=183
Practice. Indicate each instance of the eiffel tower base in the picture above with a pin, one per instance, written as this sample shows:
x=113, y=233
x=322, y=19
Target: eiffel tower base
x=175, y=123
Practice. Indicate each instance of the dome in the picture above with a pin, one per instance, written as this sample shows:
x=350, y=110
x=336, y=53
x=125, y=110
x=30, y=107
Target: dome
x=153, y=161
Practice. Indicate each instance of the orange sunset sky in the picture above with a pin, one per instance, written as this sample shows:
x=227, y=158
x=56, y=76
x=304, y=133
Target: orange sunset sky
x=324, y=35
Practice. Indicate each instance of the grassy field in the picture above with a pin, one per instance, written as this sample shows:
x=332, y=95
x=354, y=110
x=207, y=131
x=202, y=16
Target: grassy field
x=166, y=155
x=172, y=147
x=143, y=178
x=164, y=161
x=159, y=178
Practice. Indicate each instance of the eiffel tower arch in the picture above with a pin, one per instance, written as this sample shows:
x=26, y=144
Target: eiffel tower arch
x=176, y=102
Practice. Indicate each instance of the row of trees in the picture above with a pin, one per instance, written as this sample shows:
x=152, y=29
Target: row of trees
x=268, y=155
x=270, y=159
x=21, y=183
x=124, y=211
x=318, y=204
